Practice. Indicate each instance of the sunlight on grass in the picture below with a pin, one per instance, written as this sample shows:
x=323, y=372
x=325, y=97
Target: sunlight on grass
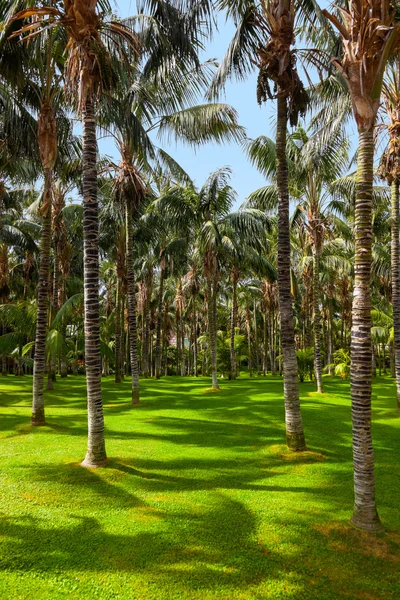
x=201, y=498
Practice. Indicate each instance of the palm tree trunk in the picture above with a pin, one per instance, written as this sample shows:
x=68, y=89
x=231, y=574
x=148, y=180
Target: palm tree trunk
x=265, y=355
x=132, y=318
x=117, y=345
x=294, y=425
x=158, y=325
x=211, y=304
x=122, y=352
x=395, y=231
x=248, y=325
x=257, y=354
x=233, y=323
x=195, y=342
x=317, y=322
x=146, y=337
x=365, y=514
x=96, y=452
x=39, y=366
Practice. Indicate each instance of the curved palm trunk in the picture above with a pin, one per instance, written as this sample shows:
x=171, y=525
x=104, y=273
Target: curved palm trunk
x=395, y=227
x=96, y=452
x=132, y=320
x=39, y=365
x=317, y=322
x=365, y=514
x=233, y=324
x=158, y=325
x=294, y=425
x=211, y=305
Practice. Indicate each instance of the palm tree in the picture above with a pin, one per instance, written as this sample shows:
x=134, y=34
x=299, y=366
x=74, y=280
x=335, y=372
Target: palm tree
x=389, y=170
x=369, y=36
x=264, y=38
x=88, y=72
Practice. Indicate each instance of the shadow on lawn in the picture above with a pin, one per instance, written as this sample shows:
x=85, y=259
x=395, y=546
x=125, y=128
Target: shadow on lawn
x=214, y=549
x=212, y=543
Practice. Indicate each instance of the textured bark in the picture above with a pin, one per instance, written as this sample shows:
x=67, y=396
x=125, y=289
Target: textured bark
x=257, y=353
x=294, y=426
x=195, y=354
x=233, y=323
x=39, y=366
x=249, y=348
x=265, y=346
x=96, y=452
x=117, y=345
x=158, y=325
x=395, y=227
x=317, y=322
x=365, y=514
x=132, y=317
x=212, y=305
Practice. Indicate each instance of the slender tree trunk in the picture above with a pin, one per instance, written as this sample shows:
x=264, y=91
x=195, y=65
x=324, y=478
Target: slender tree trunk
x=211, y=303
x=195, y=342
x=39, y=366
x=146, y=337
x=248, y=325
x=265, y=357
x=257, y=353
x=122, y=353
x=132, y=317
x=294, y=425
x=395, y=252
x=96, y=452
x=365, y=514
x=117, y=345
x=272, y=354
x=330, y=339
x=317, y=322
x=158, y=325
x=233, y=323
x=182, y=328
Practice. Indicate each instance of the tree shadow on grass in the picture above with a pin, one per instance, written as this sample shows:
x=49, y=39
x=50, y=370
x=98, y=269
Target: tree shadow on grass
x=208, y=549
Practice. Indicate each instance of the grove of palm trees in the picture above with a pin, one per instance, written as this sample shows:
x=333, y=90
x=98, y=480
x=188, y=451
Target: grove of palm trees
x=200, y=388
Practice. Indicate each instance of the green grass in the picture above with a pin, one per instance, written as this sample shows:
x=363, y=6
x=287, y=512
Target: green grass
x=200, y=499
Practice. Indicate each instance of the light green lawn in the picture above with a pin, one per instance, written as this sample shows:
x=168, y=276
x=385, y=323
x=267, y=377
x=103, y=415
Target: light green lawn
x=200, y=499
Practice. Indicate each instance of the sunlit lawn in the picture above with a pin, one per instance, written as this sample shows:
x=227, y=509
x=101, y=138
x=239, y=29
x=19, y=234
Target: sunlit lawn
x=200, y=498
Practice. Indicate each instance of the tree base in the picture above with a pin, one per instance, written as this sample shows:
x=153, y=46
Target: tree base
x=373, y=526
x=38, y=418
x=296, y=442
x=38, y=423
x=89, y=463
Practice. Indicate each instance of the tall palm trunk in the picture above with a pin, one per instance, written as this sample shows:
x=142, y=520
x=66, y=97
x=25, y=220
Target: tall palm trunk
x=257, y=354
x=317, y=321
x=182, y=336
x=47, y=140
x=234, y=279
x=248, y=326
x=132, y=319
x=365, y=513
x=158, y=325
x=117, y=345
x=294, y=426
x=39, y=366
x=195, y=353
x=395, y=227
x=96, y=452
x=211, y=305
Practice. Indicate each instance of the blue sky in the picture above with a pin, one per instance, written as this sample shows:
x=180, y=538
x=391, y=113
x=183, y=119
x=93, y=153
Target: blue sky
x=242, y=96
